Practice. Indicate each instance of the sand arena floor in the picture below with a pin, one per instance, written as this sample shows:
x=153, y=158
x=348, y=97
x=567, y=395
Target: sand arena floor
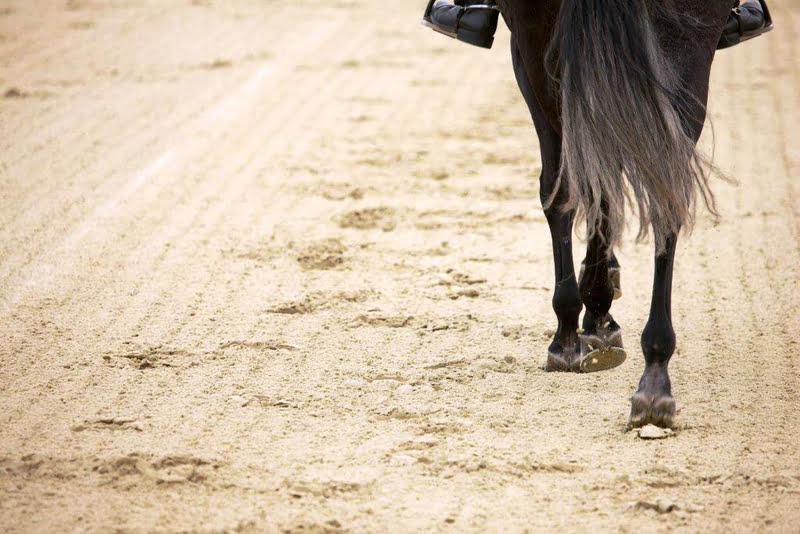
x=267, y=266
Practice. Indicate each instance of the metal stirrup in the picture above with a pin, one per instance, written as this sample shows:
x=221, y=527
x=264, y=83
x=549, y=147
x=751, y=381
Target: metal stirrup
x=482, y=6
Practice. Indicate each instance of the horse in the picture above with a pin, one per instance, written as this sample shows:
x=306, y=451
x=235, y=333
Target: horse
x=617, y=90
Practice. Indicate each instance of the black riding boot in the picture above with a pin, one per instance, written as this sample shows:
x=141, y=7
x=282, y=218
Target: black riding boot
x=470, y=21
x=746, y=21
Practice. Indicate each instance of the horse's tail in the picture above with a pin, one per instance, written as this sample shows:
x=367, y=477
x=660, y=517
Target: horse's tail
x=627, y=119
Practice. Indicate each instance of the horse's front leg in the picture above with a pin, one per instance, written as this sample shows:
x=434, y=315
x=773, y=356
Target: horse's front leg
x=653, y=403
x=601, y=336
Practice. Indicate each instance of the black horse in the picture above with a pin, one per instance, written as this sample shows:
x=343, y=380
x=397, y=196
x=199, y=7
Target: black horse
x=617, y=90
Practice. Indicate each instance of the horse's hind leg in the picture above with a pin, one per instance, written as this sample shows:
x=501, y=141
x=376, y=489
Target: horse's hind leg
x=601, y=336
x=653, y=403
x=564, y=352
x=614, y=272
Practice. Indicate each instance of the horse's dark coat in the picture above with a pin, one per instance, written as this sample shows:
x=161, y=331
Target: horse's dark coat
x=690, y=51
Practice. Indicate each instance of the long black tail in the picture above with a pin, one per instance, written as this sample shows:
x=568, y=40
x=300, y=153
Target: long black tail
x=626, y=119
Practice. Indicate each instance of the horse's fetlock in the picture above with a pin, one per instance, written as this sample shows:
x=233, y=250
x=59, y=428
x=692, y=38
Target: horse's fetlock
x=658, y=342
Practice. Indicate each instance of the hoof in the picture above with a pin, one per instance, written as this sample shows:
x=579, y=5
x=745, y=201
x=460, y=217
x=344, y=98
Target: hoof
x=563, y=361
x=602, y=350
x=647, y=409
x=603, y=359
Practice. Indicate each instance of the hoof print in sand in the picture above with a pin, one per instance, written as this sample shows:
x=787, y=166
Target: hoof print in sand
x=322, y=255
x=340, y=192
x=154, y=357
x=141, y=469
x=390, y=321
x=455, y=278
x=319, y=300
x=660, y=506
x=369, y=218
x=109, y=423
x=468, y=292
x=124, y=472
x=460, y=323
x=520, y=331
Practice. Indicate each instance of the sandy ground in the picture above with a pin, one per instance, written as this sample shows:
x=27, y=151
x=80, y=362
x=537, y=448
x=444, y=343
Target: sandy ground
x=269, y=266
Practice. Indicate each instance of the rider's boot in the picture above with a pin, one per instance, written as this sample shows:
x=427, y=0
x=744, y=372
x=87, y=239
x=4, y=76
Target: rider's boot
x=470, y=21
x=475, y=21
x=746, y=21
